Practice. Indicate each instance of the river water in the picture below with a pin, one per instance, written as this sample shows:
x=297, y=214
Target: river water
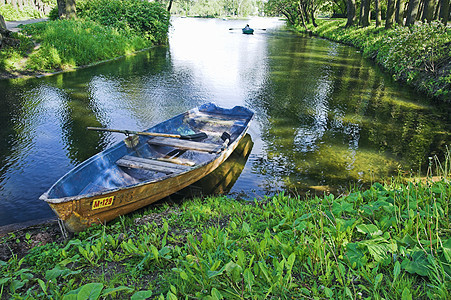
x=326, y=118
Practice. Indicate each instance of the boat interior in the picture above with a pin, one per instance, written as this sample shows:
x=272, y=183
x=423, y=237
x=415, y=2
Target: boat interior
x=153, y=158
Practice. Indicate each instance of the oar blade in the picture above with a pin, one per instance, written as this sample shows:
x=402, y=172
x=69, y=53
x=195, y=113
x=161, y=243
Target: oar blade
x=195, y=136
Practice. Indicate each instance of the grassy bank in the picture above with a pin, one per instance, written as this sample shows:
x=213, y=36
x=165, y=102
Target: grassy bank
x=419, y=55
x=391, y=241
x=104, y=30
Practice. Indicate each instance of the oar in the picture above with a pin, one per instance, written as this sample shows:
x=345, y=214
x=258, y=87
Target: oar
x=250, y=28
x=195, y=136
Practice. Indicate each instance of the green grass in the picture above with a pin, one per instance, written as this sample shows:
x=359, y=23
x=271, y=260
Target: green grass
x=419, y=55
x=391, y=241
x=11, y=13
x=70, y=43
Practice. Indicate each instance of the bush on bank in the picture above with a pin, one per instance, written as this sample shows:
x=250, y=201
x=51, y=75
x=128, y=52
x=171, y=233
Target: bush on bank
x=105, y=30
x=419, y=55
x=390, y=241
x=148, y=19
x=71, y=43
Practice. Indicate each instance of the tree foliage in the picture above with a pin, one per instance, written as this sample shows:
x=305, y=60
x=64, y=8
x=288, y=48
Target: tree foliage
x=150, y=19
x=361, y=12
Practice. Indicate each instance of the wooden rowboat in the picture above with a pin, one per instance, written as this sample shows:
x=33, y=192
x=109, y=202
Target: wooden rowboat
x=143, y=169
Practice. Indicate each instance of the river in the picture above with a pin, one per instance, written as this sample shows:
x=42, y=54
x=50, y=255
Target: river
x=326, y=118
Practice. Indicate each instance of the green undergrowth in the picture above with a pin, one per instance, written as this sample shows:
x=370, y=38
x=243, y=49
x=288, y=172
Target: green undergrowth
x=419, y=55
x=11, y=13
x=104, y=30
x=73, y=43
x=391, y=241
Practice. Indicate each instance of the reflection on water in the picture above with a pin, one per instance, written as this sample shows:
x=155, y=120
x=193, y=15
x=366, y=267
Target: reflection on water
x=221, y=180
x=325, y=117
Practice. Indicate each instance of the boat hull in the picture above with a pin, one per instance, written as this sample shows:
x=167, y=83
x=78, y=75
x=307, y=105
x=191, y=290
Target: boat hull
x=248, y=31
x=78, y=212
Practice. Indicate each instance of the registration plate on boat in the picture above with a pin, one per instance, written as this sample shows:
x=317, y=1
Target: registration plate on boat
x=102, y=202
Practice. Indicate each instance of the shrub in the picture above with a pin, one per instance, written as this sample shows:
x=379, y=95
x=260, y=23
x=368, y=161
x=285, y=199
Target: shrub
x=71, y=43
x=149, y=19
x=11, y=13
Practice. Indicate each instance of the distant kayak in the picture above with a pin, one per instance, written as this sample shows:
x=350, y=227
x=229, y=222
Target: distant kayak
x=248, y=30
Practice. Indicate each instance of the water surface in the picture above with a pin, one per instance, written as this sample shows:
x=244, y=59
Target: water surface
x=326, y=118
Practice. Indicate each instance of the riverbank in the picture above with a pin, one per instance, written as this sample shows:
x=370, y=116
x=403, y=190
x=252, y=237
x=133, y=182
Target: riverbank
x=418, y=56
x=120, y=28
x=389, y=241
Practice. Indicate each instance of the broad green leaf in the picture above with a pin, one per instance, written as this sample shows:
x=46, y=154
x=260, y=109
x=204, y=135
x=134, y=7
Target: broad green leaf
x=348, y=293
x=264, y=270
x=171, y=296
x=112, y=291
x=418, y=264
x=42, y=285
x=183, y=275
x=329, y=293
x=215, y=294
x=356, y=255
x=338, y=207
x=141, y=295
x=406, y=294
x=212, y=274
x=248, y=278
x=90, y=291
x=370, y=229
x=378, y=280
x=396, y=271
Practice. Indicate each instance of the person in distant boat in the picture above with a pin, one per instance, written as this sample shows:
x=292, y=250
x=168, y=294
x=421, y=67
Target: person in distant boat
x=247, y=27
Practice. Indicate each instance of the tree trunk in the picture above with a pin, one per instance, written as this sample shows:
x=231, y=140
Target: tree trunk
x=361, y=14
x=71, y=10
x=444, y=11
x=390, y=14
x=170, y=6
x=412, y=12
x=313, y=18
x=366, y=13
x=350, y=11
x=378, y=13
x=428, y=11
x=399, y=12
x=66, y=9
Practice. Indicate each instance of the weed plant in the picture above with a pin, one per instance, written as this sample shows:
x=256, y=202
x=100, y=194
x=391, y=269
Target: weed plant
x=390, y=241
x=105, y=30
x=148, y=19
x=11, y=13
x=419, y=55
x=71, y=43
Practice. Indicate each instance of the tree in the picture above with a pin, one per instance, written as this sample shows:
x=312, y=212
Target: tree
x=428, y=11
x=66, y=9
x=412, y=12
x=399, y=12
x=350, y=12
x=389, y=14
x=365, y=16
x=444, y=11
x=4, y=32
x=377, y=9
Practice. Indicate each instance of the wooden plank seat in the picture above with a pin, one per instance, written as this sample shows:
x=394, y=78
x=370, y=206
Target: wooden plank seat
x=129, y=161
x=185, y=144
